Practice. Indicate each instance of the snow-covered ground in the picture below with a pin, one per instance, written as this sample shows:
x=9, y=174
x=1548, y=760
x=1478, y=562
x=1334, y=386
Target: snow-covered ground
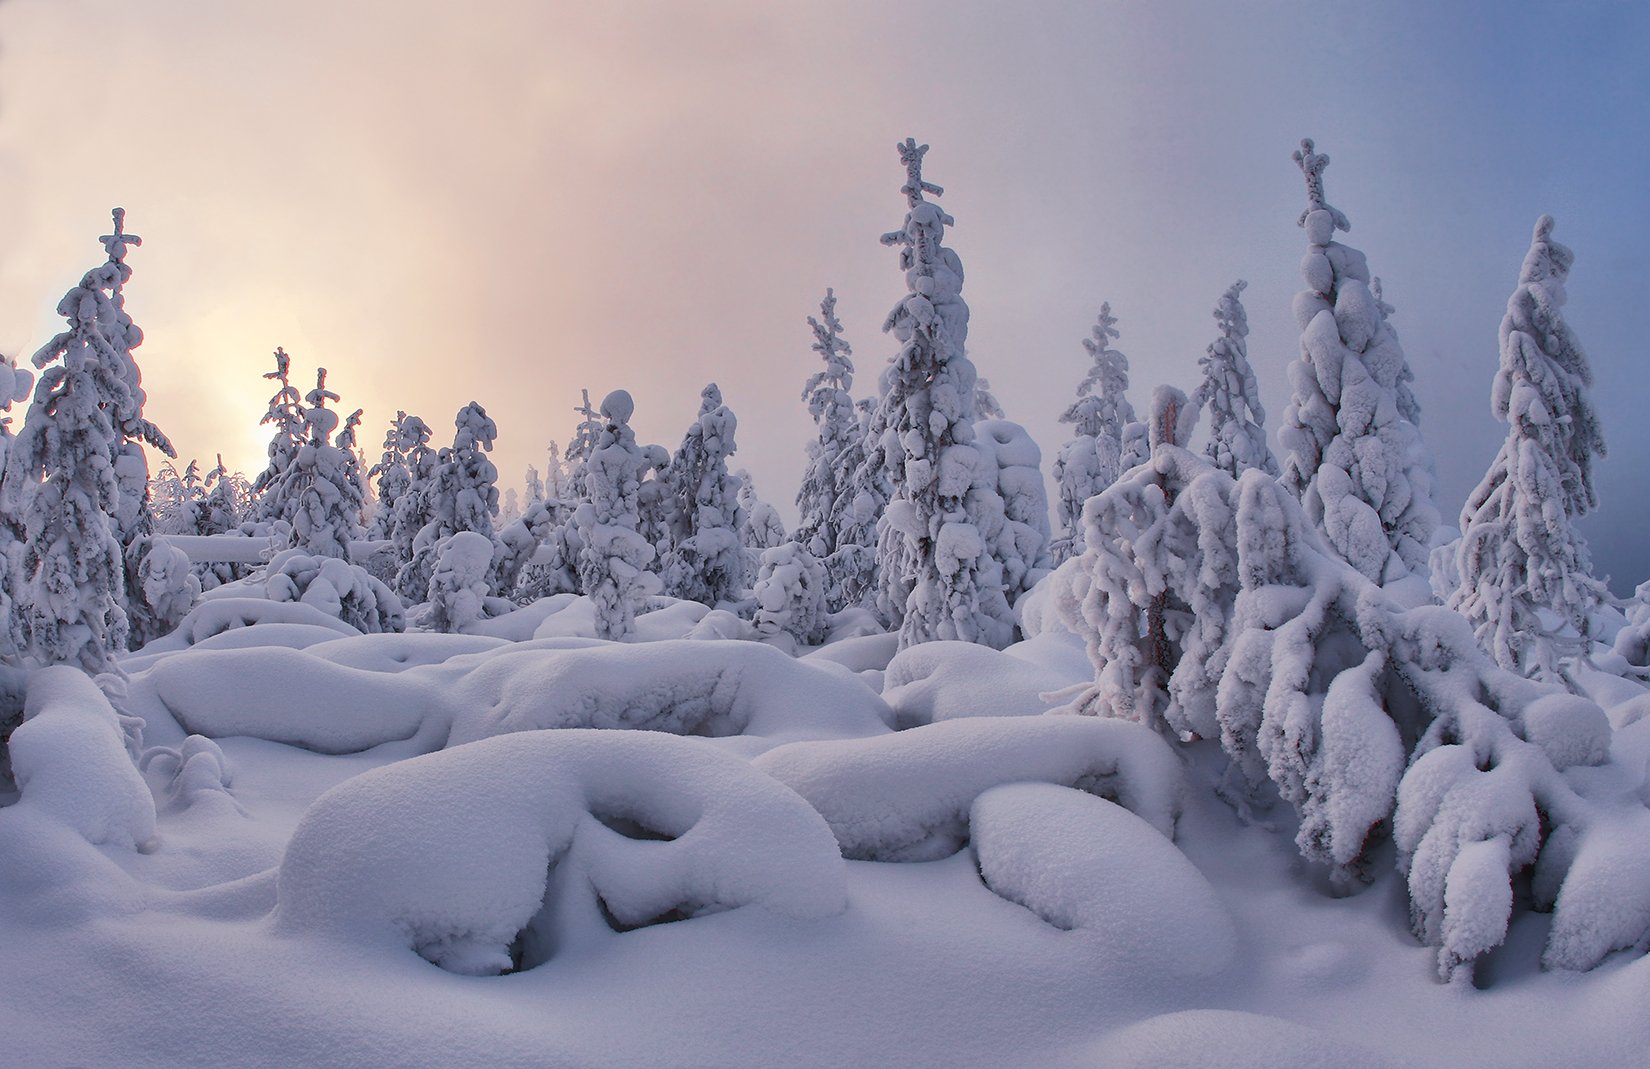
x=694, y=853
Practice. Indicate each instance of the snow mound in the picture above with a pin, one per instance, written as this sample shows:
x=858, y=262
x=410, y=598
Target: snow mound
x=907, y=797
x=1194, y=1039
x=1082, y=863
x=943, y=680
x=392, y=652
x=71, y=763
x=292, y=697
x=493, y=856
x=716, y=689
x=214, y=616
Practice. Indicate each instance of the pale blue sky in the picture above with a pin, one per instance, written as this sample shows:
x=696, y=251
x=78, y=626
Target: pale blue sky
x=508, y=201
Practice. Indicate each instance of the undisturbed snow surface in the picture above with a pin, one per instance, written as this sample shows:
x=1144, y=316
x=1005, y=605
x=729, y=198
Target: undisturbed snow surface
x=379, y=822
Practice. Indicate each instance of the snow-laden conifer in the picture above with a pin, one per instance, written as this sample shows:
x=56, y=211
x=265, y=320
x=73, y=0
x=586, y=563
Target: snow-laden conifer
x=66, y=482
x=393, y=479
x=834, y=452
x=414, y=507
x=1355, y=456
x=286, y=415
x=1237, y=422
x=986, y=405
x=225, y=500
x=321, y=489
x=1093, y=458
x=1212, y=608
x=535, y=482
x=462, y=495
x=761, y=529
x=586, y=435
x=459, y=581
x=706, y=561
x=937, y=578
x=1520, y=556
x=612, y=556
x=790, y=594
x=15, y=385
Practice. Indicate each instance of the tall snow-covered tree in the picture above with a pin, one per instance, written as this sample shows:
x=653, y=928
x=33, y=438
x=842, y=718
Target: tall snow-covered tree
x=835, y=449
x=68, y=481
x=706, y=560
x=1520, y=553
x=1355, y=456
x=15, y=385
x=321, y=489
x=393, y=477
x=286, y=414
x=851, y=570
x=612, y=557
x=463, y=495
x=1237, y=422
x=1093, y=458
x=937, y=578
x=414, y=507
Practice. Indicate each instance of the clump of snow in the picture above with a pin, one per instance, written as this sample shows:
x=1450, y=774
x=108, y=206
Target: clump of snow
x=1084, y=864
x=458, y=584
x=71, y=761
x=943, y=680
x=195, y=768
x=492, y=857
x=906, y=797
x=344, y=591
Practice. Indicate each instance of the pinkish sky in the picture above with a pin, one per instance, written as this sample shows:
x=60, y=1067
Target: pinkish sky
x=508, y=201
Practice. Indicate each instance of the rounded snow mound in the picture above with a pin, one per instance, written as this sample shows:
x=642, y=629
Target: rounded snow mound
x=1082, y=863
x=1194, y=1039
x=493, y=856
x=943, y=680
x=716, y=689
x=907, y=796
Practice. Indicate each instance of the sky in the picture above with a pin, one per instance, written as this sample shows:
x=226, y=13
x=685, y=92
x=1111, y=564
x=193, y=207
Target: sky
x=509, y=202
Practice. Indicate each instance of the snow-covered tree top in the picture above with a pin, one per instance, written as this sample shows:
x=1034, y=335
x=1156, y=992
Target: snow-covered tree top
x=115, y=244
x=838, y=373
x=1107, y=411
x=617, y=407
x=1312, y=165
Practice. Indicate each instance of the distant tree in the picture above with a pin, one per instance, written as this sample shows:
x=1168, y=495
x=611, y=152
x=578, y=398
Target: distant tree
x=414, y=507
x=322, y=497
x=761, y=528
x=394, y=479
x=286, y=414
x=586, y=435
x=837, y=444
x=1520, y=554
x=986, y=405
x=937, y=578
x=1092, y=459
x=706, y=561
x=1237, y=432
x=1355, y=456
x=463, y=495
x=612, y=556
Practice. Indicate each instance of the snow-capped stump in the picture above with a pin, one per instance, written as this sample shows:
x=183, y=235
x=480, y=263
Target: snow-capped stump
x=717, y=689
x=1084, y=864
x=943, y=680
x=71, y=762
x=906, y=797
x=490, y=857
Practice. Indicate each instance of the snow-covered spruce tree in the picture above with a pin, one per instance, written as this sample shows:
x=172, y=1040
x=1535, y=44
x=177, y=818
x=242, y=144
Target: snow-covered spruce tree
x=586, y=434
x=613, y=557
x=15, y=385
x=1520, y=554
x=321, y=487
x=937, y=579
x=827, y=481
x=224, y=502
x=986, y=405
x=790, y=594
x=761, y=528
x=67, y=481
x=851, y=569
x=1237, y=422
x=1212, y=608
x=1016, y=534
x=462, y=496
x=286, y=413
x=1092, y=459
x=414, y=507
x=706, y=560
x=459, y=581
x=535, y=484
x=1355, y=456
x=393, y=479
